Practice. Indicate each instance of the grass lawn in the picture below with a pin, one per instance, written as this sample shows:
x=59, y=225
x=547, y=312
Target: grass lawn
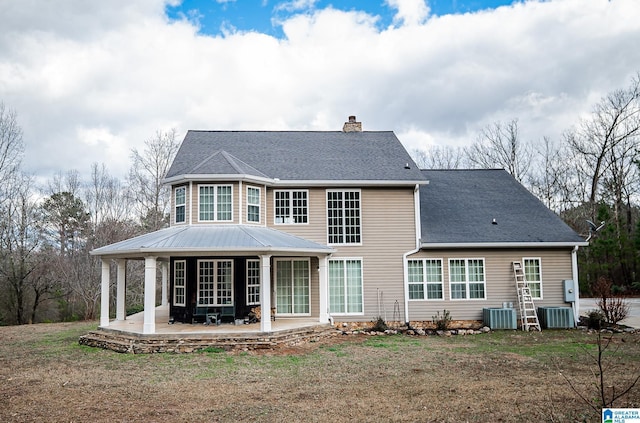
x=45, y=375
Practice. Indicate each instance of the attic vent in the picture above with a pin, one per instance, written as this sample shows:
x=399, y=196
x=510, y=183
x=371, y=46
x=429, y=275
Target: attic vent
x=352, y=125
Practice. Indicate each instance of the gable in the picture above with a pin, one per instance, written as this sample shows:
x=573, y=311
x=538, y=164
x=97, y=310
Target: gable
x=459, y=207
x=296, y=156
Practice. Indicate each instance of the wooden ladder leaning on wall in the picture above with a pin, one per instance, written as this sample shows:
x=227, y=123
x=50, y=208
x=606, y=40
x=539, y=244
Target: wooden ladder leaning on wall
x=526, y=309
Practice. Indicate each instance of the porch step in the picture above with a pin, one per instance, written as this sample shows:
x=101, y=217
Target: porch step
x=176, y=343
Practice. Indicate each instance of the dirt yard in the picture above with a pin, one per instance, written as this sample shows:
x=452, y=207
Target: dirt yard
x=500, y=376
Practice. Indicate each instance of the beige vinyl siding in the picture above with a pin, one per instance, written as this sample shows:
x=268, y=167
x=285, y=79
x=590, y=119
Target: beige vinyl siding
x=388, y=231
x=315, y=228
x=500, y=284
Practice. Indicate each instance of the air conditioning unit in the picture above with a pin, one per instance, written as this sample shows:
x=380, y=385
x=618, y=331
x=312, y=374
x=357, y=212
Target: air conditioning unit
x=499, y=318
x=556, y=317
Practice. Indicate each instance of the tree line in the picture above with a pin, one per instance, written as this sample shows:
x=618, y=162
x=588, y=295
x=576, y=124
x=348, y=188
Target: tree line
x=47, y=232
x=590, y=178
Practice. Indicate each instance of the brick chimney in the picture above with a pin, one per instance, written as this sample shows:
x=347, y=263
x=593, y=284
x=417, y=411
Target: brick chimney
x=352, y=125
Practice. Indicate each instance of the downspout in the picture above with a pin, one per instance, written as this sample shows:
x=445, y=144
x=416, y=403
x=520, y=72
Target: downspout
x=189, y=202
x=240, y=202
x=405, y=265
x=576, y=285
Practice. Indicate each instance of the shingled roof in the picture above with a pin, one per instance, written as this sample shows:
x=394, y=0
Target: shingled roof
x=458, y=208
x=368, y=156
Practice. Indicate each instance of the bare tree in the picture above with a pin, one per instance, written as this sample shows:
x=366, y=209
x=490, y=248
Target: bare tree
x=106, y=197
x=607, y=141
x=148, y=169
x=21, y=264
x=11, y=149
x=437, y=157
x=551, y=180
x=499, y=146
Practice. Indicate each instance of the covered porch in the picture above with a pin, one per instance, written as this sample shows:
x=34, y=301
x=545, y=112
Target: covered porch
x=211, y=244
x=135, y=324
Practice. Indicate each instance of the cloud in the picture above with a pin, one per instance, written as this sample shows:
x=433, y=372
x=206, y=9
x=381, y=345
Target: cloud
x=91, y=80
x=410, y=12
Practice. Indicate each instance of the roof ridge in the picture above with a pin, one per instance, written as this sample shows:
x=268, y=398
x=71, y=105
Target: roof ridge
x=206, y=159
x=232, y=160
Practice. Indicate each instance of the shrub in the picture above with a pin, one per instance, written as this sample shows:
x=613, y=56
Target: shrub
x=379, y=325
x=443, y=321
x=614, y=307
x=135, y=309
x=595, y=319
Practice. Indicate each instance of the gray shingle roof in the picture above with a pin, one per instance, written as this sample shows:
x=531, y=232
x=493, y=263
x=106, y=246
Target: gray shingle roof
x=458, y=207
x=213, y=238
x=295, y=156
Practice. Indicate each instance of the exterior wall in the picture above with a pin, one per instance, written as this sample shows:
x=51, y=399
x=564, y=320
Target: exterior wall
x=388, y=231
x=500, y=283
x=239, y=207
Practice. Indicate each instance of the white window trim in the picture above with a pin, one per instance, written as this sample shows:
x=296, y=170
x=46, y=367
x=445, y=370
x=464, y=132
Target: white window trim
x=468, y=291
x=249, y=302
x=215, y=202
x=259, y=205
x=176, y=205
x=275, y=283
x=290, y=191
x=184, y=286
x=541, y=279
x=216, y=302
x=344, y=259
x=326, y=205
x=424, y=282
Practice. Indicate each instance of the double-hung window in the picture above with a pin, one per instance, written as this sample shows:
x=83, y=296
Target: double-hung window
x=215, y=203
x=215, y=282
x=343, y=217
x=291, y=206
x=253, y=204
x=253, y=282
x=467, y=279
x=179, y=282
x=533, y=276
x=425, y=279
x=180, y=204
x=345, y=286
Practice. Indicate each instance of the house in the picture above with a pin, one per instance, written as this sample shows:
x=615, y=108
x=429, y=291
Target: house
x=338, y=226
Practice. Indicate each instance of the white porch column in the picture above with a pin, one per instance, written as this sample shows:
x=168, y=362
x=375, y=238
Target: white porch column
x=120, y=290
x=165, y=277
x=265, y=293
x=149, y=325
x=104, y=294
x=324, y=288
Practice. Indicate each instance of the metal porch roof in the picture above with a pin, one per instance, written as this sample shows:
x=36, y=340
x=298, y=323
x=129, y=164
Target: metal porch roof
x=213, y=239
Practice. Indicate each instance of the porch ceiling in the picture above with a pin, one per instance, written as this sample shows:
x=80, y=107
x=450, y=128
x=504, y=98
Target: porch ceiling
x=217, y=239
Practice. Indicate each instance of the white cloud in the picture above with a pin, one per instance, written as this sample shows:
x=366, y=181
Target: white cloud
x=410, y=12
x=295, y=5
x=115, y=72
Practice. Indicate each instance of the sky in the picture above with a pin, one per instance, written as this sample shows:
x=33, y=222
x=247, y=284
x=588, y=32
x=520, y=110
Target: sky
x=89, y=80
